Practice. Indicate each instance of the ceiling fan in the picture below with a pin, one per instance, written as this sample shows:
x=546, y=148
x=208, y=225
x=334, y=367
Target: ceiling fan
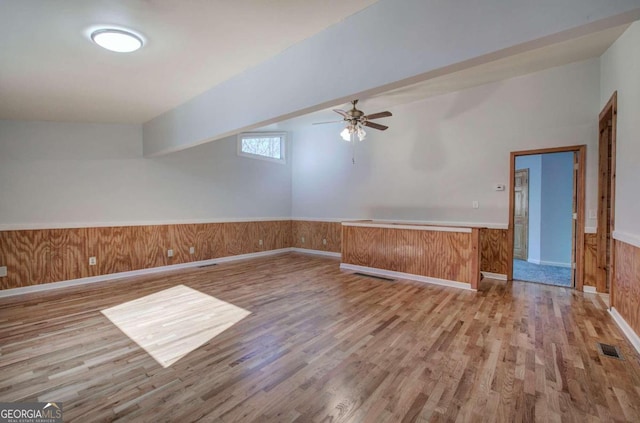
x=356, y=119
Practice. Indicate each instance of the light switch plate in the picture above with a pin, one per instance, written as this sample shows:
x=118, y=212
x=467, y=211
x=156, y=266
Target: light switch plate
x=3, y=271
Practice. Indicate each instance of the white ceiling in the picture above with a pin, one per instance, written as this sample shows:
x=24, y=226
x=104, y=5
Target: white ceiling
x=50, y=70
x=575, y=50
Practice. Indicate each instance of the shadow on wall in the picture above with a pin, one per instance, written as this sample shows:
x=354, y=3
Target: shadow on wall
x=443, y=214
x=467, y=100
x=429, y=150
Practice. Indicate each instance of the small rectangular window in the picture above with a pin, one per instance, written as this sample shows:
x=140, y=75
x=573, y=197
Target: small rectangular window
x=265, y=146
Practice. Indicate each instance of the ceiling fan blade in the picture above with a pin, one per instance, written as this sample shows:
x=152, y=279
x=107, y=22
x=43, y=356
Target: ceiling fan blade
x=331, y=121
x=341, y=112
x=375, y=126
x=379, y=115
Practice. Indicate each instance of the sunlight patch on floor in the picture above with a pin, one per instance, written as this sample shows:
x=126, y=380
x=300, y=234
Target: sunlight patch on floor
x=171, y=323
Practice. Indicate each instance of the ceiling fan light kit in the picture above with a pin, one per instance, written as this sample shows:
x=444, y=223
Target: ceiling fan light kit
x=357, y=129
x=356, y=120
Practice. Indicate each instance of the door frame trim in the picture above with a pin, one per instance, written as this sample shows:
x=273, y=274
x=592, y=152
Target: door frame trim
x=579, y=237
x=610, y=108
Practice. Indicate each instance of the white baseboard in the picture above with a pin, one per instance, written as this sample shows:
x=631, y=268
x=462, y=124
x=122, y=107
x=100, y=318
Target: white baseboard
x=94, y=279
x=316, y=252
x=498, y=276
x=626, y=329
x=400, y=275
x=589, y=289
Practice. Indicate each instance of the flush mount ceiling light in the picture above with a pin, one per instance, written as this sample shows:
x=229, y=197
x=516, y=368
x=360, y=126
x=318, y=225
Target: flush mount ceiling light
x=117, y=40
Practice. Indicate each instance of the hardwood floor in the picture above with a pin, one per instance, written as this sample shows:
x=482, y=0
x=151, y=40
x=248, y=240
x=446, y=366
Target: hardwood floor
x=326, y=345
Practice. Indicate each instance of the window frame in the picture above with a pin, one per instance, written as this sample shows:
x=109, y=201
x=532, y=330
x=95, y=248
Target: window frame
x=283, y=146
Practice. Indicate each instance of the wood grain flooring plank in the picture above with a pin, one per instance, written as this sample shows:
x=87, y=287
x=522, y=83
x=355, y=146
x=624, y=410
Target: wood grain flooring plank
x=323, y=344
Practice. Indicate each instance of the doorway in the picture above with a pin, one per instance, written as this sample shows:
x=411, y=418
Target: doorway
x=546, y=219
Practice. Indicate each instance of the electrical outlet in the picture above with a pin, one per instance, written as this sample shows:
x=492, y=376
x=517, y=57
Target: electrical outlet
x=302, y=239
x=92, y=261
x=260, y=242
x=169, y=253
x=192, y=250
x=324, y=242
x=476, y=205
x=3, y=271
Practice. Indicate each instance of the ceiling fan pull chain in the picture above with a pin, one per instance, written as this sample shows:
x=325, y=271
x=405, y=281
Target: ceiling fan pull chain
x=353, y=149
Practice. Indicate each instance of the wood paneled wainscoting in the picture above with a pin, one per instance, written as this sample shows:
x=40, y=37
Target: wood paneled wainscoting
x=494, y=254
x=590, y=260
x=625, y=295
x=34, y=257
x=42, y=256
x=317, y=235
x=436, y=253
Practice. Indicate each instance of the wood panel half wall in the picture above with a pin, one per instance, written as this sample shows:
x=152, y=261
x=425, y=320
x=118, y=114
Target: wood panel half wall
x=34, y=257
x=449, y=254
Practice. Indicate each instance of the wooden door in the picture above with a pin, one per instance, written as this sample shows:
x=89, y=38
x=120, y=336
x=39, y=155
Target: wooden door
x=521, y=214
x=574, y=218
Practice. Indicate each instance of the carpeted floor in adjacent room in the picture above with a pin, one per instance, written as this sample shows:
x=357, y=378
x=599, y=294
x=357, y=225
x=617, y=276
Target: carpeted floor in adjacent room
x=549, y=275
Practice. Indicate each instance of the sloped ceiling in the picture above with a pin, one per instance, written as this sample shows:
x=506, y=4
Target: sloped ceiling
x=50, y=70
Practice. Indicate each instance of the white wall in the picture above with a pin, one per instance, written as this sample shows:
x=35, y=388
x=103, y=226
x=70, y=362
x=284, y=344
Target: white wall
x=442, y=153
x=534, y=164
x=62, y=174
x=557, y=209
x=620, y=71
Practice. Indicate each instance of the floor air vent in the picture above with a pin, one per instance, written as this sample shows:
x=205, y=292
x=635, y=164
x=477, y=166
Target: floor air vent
x=382, y=278
x=609, y=351
x=207, y=265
